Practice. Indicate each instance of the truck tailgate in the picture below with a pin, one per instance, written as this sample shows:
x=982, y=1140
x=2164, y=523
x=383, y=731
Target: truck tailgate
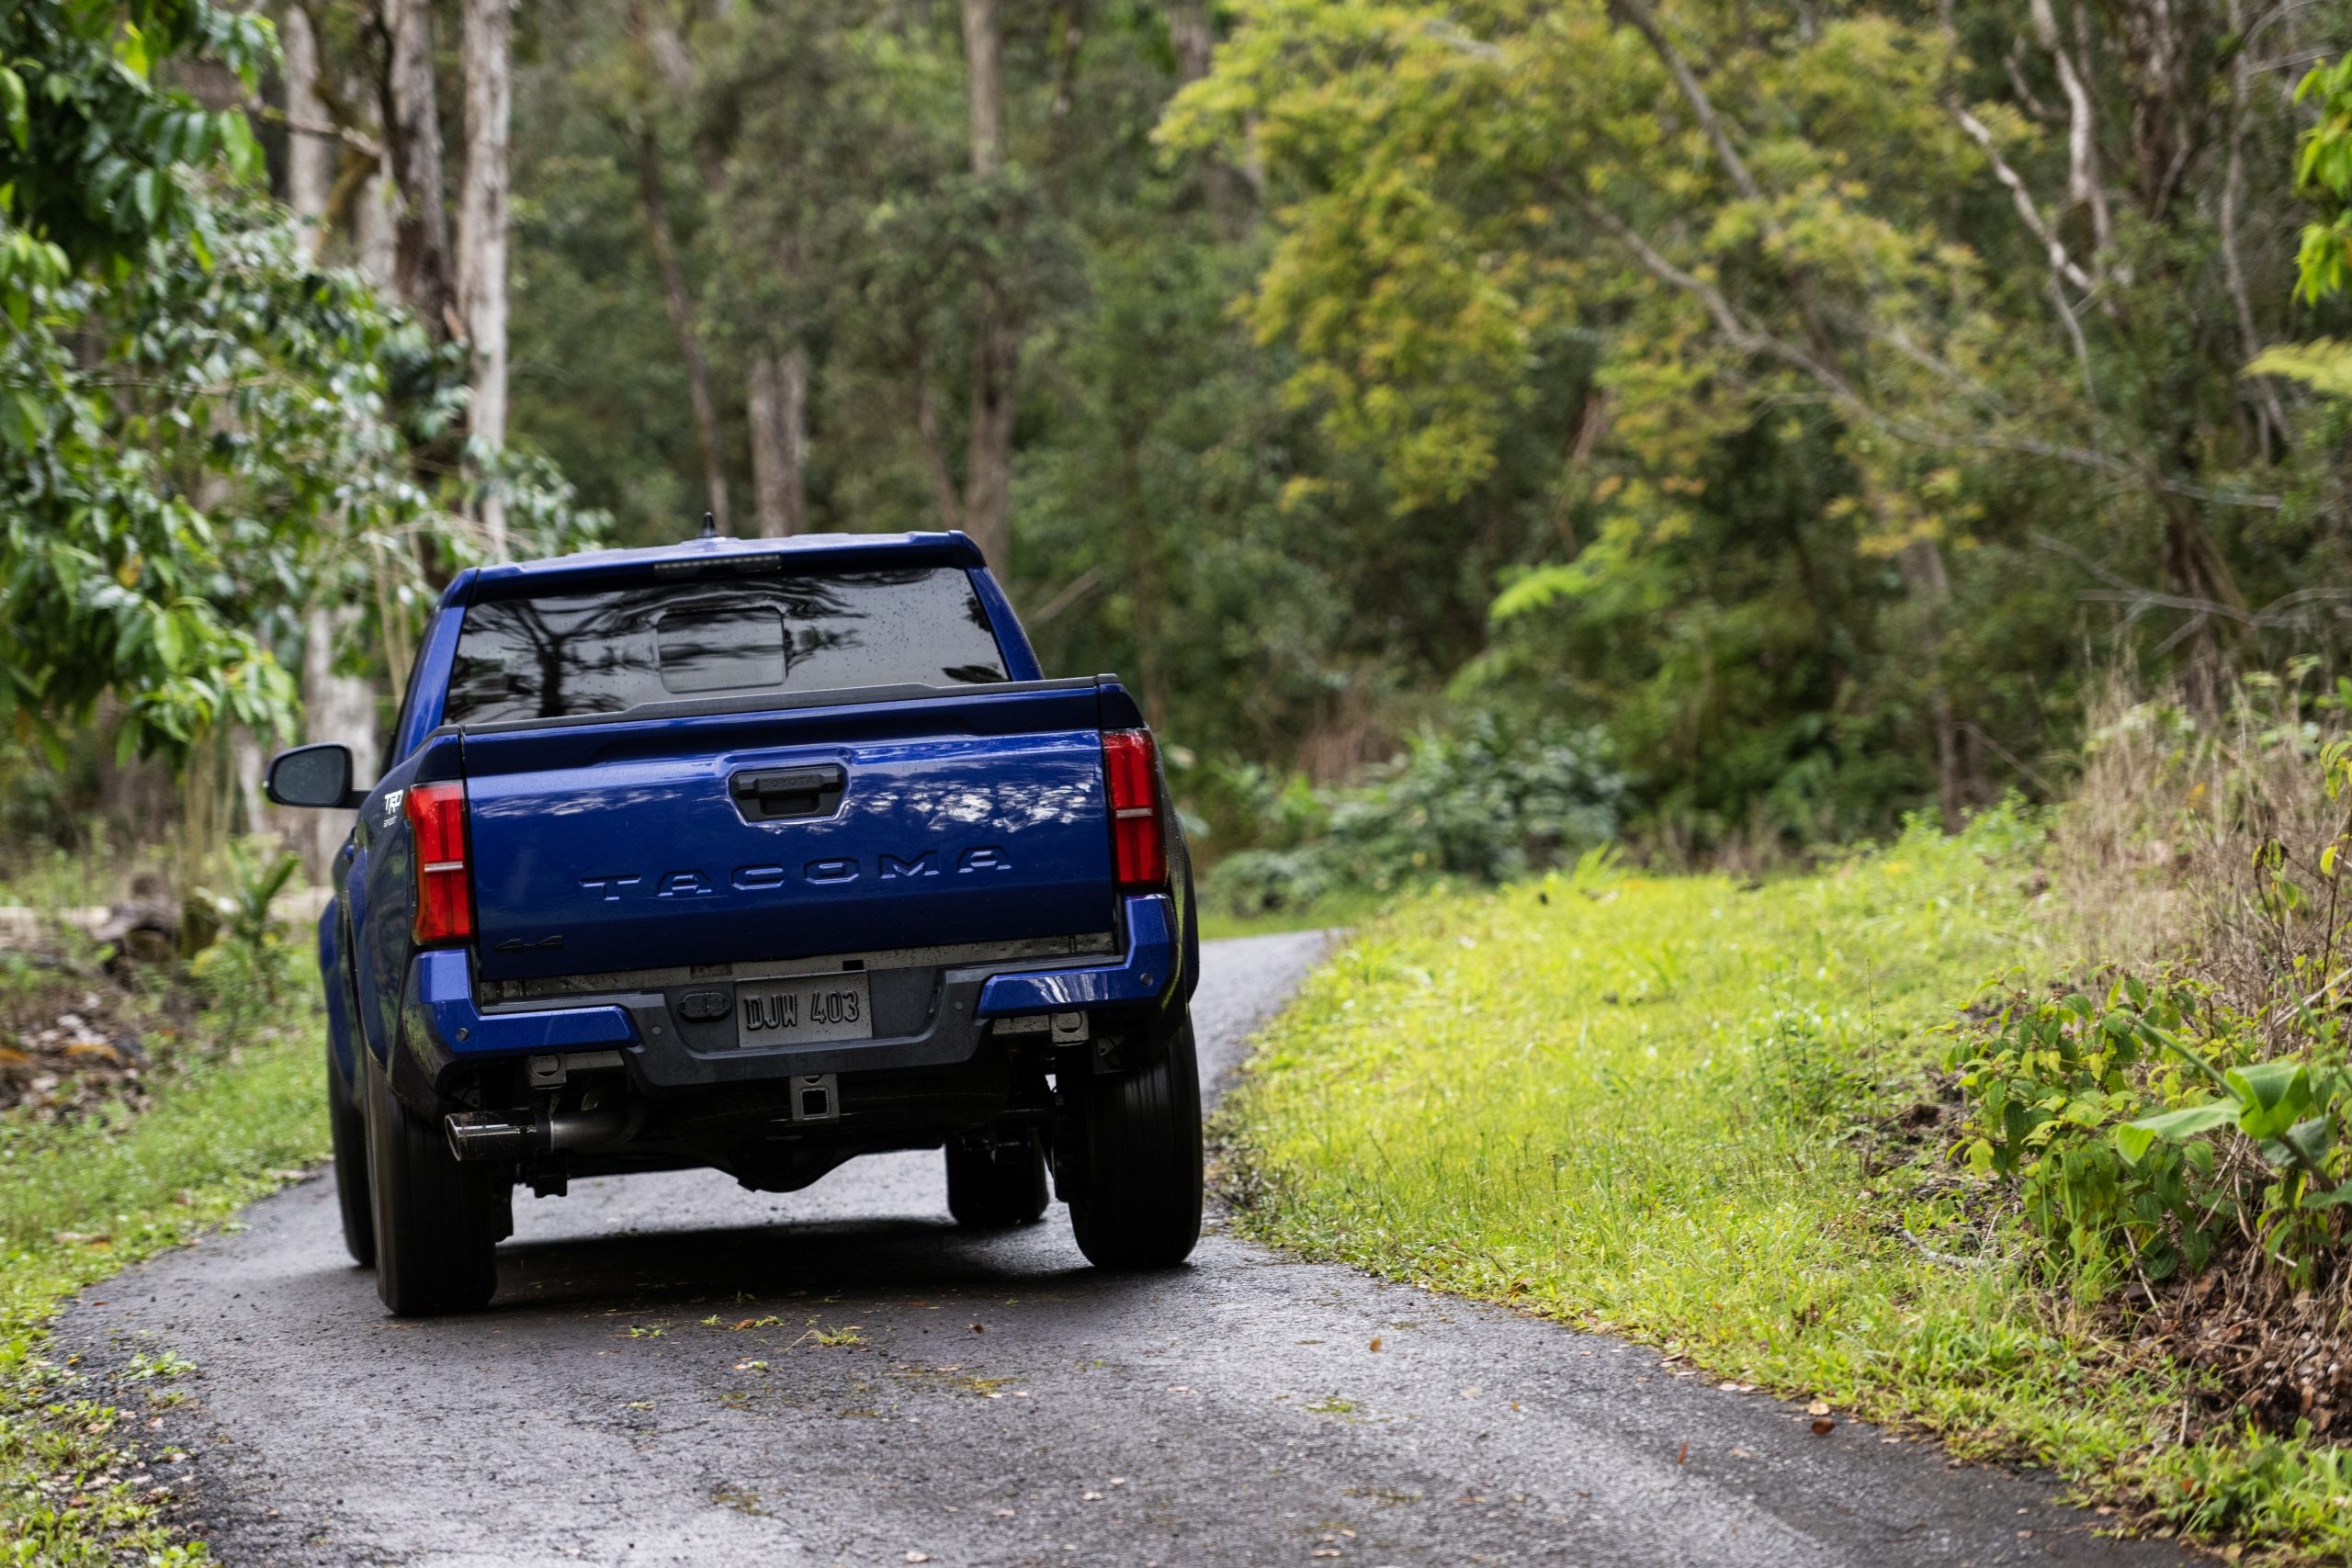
x=613, y=845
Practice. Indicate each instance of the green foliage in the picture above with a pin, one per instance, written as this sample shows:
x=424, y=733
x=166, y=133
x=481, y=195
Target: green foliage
x=234, y=1115
x=2056, y=1088
x=2324, y=173
x=202, y=433
x=1487, y=802
x=2324, y=364
x=1659, y=1108
x=95, y=157
x=2264, y=1486
x=2149, y=1129
x=1797, y=415
x=253, y=966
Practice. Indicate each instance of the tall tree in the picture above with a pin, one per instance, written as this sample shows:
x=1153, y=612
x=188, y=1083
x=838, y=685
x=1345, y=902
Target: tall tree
x=678, y=299
x=483, y=219
x=338, y=702
x=778, y=409
x=995, y=337
x=312, y=143
x=410, y=97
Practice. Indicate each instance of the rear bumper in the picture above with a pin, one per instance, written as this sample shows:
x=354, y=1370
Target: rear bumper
x=445, y=1030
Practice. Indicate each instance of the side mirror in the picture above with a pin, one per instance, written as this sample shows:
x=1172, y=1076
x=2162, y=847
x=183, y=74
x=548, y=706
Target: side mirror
x=312, y=775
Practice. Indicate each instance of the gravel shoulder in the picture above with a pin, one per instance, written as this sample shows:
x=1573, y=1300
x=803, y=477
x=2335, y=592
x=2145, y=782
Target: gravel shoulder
x=677, y=1372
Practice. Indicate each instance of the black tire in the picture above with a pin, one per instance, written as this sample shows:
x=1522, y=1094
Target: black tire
x=437, y=1221
x=996, y=1190
x=347, y=1126
x=1138, y=1205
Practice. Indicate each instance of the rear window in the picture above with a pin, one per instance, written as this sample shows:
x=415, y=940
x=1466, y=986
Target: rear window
x=586, y=653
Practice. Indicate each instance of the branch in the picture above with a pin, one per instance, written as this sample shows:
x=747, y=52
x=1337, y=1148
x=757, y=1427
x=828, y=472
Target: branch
x=2082, y=150
x=2018, y=83
x=2060, y=262
x=2232, y=194
x=1638, y=16
x=2121, y=589
x=1749, y=338
x=1078, y=588
x=357, y=141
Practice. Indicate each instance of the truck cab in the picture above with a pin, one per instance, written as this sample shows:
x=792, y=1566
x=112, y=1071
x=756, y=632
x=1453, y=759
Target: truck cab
x=752, y=855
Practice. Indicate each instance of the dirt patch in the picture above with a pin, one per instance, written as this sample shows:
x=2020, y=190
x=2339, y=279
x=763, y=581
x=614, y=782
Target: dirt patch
x=77, y=1033
x=2273, y=1355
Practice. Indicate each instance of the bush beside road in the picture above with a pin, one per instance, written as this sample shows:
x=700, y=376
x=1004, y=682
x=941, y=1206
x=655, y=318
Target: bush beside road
x=1703, y=1113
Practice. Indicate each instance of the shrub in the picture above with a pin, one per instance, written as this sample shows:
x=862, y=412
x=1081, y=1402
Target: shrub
x=1487, y=802
x=2189, y=1114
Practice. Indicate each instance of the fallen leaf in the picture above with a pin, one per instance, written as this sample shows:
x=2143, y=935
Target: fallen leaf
x=1376, y=1341
x=1684, y=1457
x=977, y=1329
x=1823, y=1425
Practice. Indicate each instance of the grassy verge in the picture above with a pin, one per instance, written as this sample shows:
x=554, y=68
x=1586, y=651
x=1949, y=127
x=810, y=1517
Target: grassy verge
x=80, y=1199
x=1329, y=913
x=1658, y=1107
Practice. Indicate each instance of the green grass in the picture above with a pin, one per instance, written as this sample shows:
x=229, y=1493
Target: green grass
x=79, y=1201
x=1639, y=1104
x=1330, y=913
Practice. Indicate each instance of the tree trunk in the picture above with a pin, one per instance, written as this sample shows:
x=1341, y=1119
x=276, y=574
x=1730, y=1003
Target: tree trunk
x=996, y=347
x=988, y=457
x=375, y=231
x=1143, y=581
x=934, y=450
x=311, y=155
x=779, y=411
x=1194, y=37
x=984, y=77
x=482, y=237
x=334, y=707
x=412, y=137
x=680, y=304
x=1921, y=567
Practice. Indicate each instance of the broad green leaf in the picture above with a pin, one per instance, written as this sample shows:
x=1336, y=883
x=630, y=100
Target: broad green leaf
x=2273, y=1096
x=2133, y=1139
x=14, y=111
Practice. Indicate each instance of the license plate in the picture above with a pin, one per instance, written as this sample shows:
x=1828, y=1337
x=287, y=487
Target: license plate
x=802, y=1009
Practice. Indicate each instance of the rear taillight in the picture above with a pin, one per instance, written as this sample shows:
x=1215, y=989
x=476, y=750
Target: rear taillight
x=444, y=887
x=1139, y=850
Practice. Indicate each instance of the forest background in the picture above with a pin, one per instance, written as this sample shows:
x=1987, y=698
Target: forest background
x=1477, y=429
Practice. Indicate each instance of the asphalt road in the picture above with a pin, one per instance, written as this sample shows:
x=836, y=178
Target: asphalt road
x=983, y=1400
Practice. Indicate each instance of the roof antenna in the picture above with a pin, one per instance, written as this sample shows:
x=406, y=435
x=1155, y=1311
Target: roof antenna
x=709, y=527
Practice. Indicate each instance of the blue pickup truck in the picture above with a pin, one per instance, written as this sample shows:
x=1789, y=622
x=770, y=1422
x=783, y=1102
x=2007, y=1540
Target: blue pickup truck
x=754, y=856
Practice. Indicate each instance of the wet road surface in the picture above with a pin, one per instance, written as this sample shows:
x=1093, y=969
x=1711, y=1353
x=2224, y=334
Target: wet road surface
x=680, y=1372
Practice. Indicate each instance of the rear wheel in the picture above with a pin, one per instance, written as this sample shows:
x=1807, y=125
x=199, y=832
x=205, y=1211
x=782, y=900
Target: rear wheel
x=437, y=1221
x=347, y=1126
x=1139, y=1203
x=996, y=1188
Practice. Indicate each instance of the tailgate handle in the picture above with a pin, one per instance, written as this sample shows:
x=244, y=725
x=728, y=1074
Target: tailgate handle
x=773, y=794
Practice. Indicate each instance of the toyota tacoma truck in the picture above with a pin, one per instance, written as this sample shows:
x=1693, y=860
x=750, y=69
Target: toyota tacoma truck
x=754, y=855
